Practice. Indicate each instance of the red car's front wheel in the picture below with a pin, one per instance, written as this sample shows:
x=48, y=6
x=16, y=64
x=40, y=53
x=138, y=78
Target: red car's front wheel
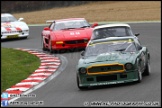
x=43, y=47
x=50, y=46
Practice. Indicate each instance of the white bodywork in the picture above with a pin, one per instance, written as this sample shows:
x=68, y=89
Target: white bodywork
x=111, y=25
x=13, y=29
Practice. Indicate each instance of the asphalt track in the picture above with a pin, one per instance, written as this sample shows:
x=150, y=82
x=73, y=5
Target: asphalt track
x=62, y=90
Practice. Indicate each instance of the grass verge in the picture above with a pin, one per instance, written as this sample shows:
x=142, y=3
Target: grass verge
x=16, y=65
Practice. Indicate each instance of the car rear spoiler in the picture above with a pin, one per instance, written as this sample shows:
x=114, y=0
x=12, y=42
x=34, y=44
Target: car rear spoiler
x=49, y=21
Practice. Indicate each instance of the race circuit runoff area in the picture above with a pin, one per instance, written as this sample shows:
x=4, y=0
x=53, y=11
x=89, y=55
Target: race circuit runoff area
x=48, y=66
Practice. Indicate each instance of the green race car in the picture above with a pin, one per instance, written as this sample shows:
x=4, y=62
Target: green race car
x=112, y=61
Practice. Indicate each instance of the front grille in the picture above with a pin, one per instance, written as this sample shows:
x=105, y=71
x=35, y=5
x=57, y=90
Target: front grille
x=76, y=41
x=8, y=32
x=106, y=78
x=105, y=69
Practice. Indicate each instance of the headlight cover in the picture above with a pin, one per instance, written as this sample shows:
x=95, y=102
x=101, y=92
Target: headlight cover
x=128, y=66
x=82, y=70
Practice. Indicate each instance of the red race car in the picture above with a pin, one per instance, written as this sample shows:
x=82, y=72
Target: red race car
x=66, y=34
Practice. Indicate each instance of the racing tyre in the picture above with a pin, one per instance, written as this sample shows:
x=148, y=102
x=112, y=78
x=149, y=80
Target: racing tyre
x=139, y=73
x=148, y=68
x=43, y=48
x=26, y=37
x=81, y=88
x=50, y=46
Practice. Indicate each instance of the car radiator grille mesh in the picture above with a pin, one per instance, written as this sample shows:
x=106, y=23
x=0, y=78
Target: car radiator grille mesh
x=106, y=78
x=76, y=41
x=105, y=69
x=8, y=32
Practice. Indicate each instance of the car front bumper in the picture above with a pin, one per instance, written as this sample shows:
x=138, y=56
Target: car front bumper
x=107, y=79
x=14, y=35
x=68, y=46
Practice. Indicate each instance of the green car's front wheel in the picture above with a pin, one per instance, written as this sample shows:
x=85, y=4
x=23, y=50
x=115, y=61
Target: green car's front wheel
x=148, y=68
x=81, y=88
x=139, y=73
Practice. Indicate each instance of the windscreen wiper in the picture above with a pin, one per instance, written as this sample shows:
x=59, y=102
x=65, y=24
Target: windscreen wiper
x=67, y=28
x=120, y=49
x=84, y=26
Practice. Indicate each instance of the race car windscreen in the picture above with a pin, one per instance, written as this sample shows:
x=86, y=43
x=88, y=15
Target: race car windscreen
x=111, y=32
x=8, y=19
x=71, y=24
x=111, y=46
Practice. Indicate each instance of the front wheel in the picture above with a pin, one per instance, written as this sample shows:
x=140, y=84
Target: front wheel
x=43, y=47
x=139, y=74
x=148, y=68
x=81, y=88
x=50, y=46
x=24, y=37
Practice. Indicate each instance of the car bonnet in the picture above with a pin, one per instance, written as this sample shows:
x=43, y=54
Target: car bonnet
x=15, y=24
x=73, y=33
x=111, y=57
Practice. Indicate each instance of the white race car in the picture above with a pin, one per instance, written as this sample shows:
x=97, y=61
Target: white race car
x=112, y=30
x=13, y=28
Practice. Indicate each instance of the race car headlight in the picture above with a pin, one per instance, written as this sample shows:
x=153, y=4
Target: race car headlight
x=128, y=66
x=82, y=70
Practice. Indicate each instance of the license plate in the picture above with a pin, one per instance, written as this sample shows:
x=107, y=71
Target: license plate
x=12, y=36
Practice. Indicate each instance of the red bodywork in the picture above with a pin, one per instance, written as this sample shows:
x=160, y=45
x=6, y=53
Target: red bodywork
x=68, y=38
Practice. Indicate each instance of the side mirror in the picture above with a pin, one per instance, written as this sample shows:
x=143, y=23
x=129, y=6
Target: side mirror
x=94, y=25
x=136, y=34
x=46, y=28
x=82, y=53
x=20, y=19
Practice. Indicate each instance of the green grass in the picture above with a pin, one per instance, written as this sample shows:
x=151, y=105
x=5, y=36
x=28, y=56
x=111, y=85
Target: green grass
x=16, y=66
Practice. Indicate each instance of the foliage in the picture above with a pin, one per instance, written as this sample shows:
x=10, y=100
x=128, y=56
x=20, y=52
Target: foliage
x=26, y=6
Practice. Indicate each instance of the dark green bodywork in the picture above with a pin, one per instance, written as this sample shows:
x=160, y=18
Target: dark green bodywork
x=109, y=68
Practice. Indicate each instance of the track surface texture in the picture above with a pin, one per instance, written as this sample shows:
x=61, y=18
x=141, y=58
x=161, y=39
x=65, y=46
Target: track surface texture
x=62, y=90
